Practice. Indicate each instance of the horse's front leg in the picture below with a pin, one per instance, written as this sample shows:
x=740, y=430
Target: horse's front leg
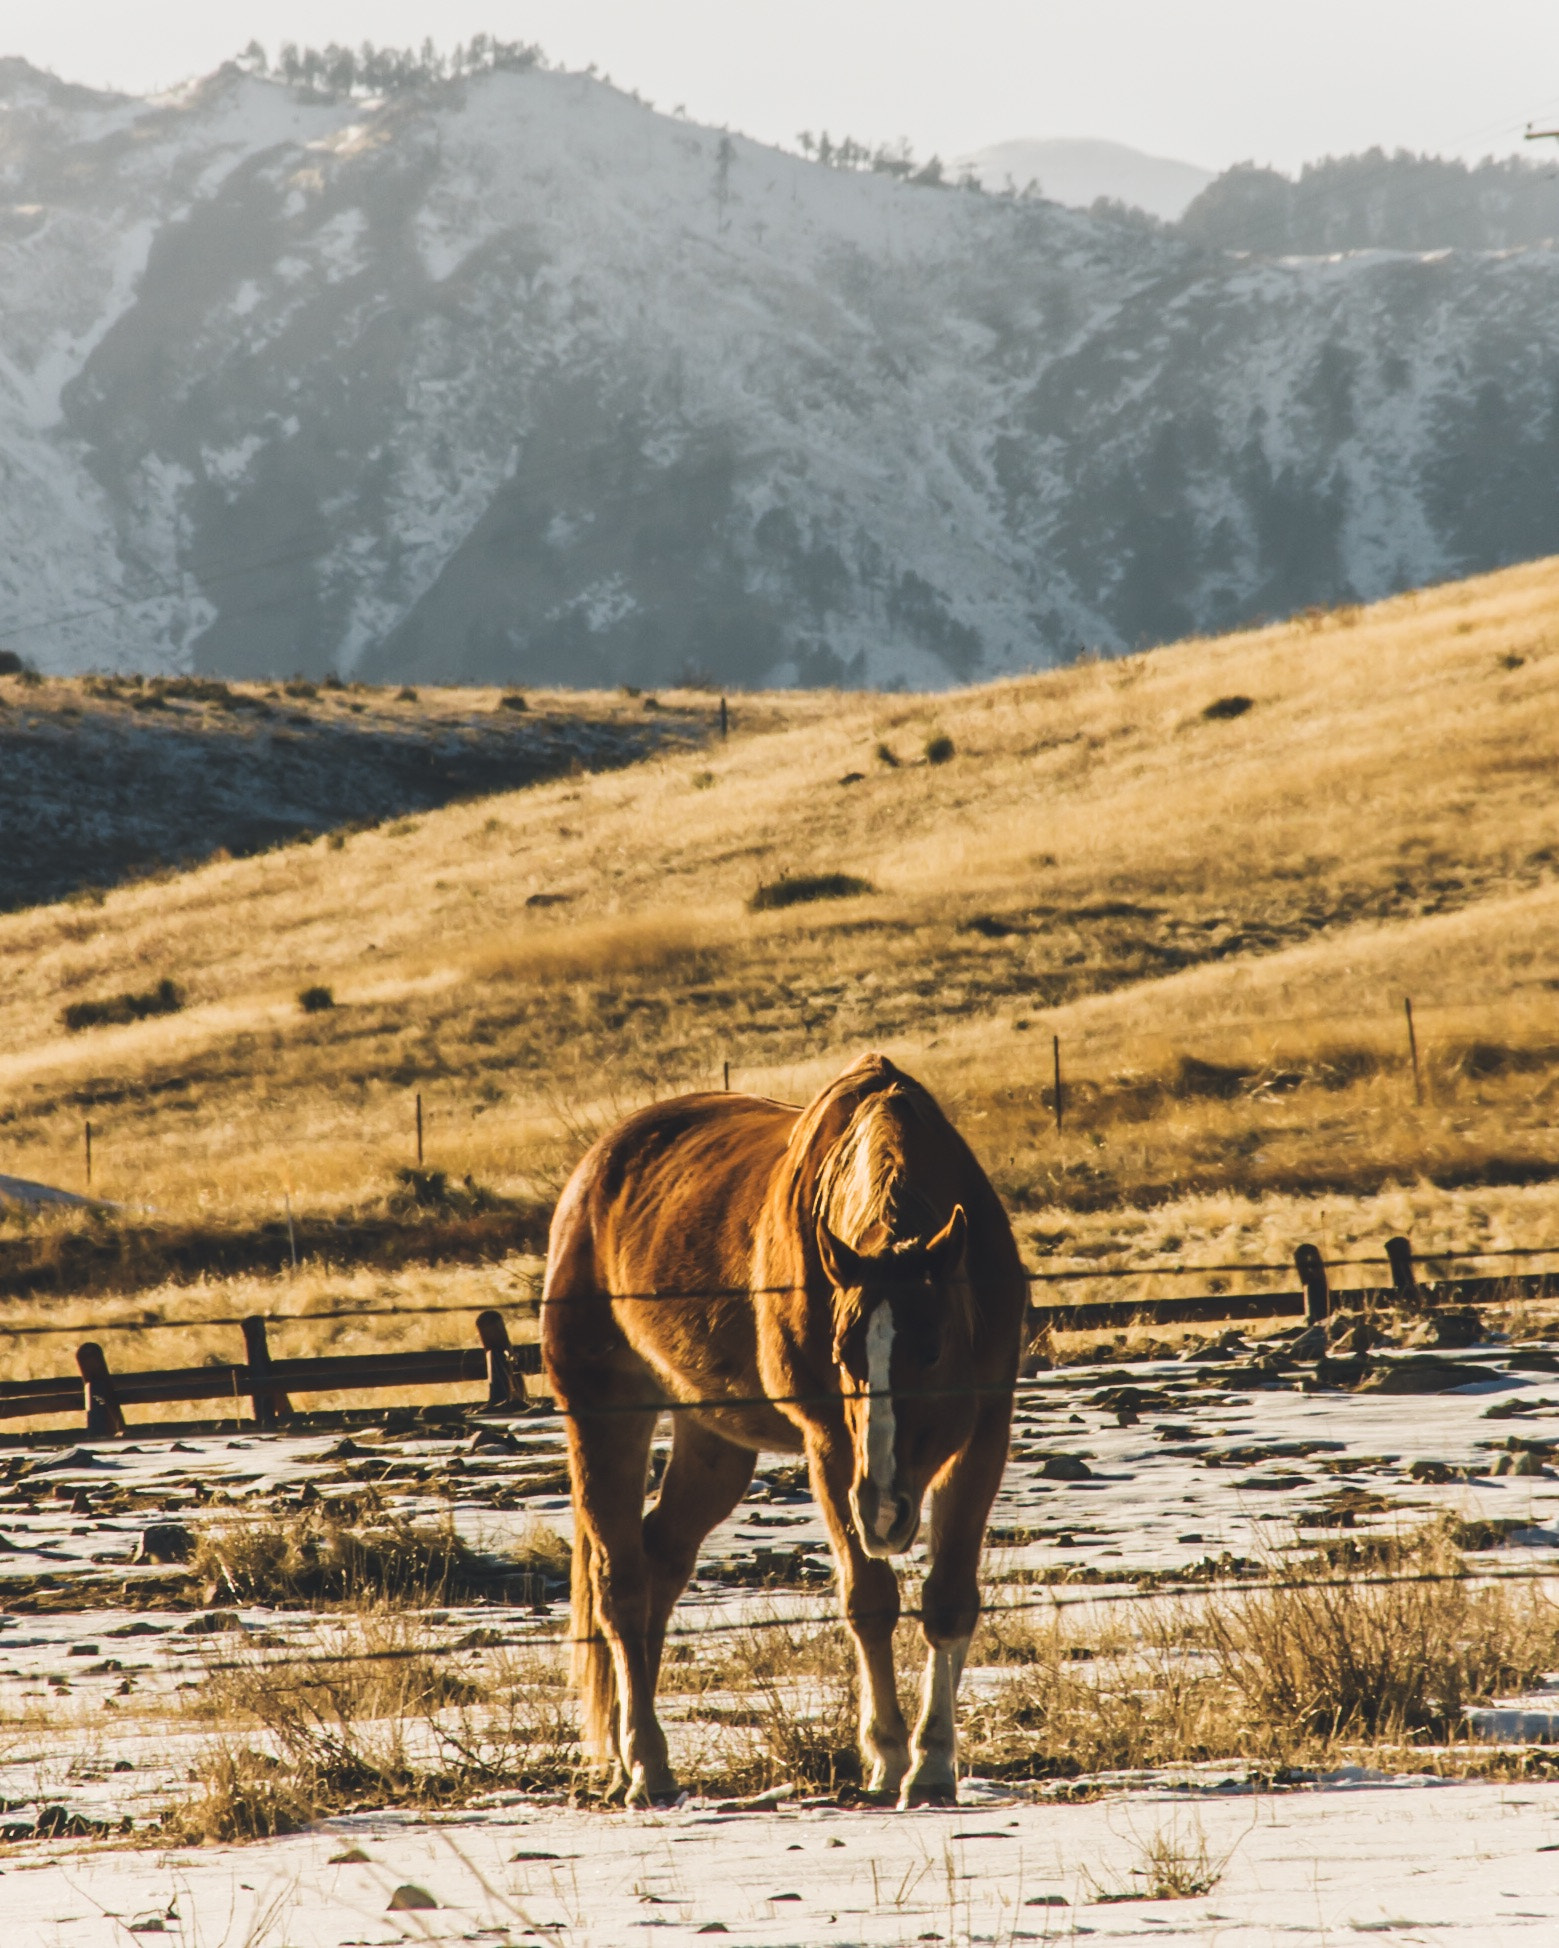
x=870, y=1593
x=950, y=1601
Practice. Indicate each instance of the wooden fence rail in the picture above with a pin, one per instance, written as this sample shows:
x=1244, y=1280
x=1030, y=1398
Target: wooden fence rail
x=265, y=1383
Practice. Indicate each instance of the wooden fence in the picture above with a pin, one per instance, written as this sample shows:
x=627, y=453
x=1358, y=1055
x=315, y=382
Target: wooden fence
x=267, y=1383
x=1314, y=1301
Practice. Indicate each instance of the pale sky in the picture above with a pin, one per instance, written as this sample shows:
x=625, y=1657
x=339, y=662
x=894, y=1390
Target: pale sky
x=1210, y=81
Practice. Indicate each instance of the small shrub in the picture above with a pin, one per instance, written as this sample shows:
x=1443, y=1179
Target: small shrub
x=330, y=681
x=808, y=886
x=300, y=687
x=1228, y=707
x=11, y=664
x=702, y=780
x=1219, y=1081
x=886, y=755
x=939, y=749
x=406, y=694
x=196, y=689
x=432, y=1190
x=315, y=1000
x=513, y=701
x=167, y=998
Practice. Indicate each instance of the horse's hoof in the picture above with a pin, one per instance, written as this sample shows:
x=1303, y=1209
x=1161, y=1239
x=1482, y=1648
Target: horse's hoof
x=927, y=1792
x=664, y=1792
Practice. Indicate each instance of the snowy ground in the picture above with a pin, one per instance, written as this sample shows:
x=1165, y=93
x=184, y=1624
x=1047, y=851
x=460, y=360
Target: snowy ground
x=1217, y=1458
x=1411, y=1861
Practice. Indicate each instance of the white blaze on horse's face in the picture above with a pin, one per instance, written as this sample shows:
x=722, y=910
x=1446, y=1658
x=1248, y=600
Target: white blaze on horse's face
x=881, y=1422
x=893, y=1310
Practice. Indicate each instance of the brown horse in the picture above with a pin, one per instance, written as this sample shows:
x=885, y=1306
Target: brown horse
x=839, y=1281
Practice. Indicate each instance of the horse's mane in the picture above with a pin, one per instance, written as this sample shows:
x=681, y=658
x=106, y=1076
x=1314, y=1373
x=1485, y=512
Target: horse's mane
x=865, y=1192
x=874, y=1158
x=863, y=1183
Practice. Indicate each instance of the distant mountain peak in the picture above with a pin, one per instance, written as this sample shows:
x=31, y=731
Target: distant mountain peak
x=1077, y=170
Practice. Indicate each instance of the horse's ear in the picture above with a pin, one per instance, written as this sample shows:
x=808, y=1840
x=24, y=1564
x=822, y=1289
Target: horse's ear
x=842, y=1267
x=946, y=1249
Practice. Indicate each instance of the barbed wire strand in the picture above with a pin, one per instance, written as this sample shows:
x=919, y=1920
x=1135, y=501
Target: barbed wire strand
x=913, y=1614
x=1033, y=1277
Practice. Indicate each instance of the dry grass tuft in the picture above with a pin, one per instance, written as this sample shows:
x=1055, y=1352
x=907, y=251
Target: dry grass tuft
x=1099, y=1700
x=314, y=1558
x=1174, y=1864
x=1343, y=1655
x=800, y=1706
x=241, y=1794
x=382, y=1717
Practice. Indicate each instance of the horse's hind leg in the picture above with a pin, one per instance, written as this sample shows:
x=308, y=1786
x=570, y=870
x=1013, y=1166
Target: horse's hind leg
x=705, y=1478
x=609, y=1456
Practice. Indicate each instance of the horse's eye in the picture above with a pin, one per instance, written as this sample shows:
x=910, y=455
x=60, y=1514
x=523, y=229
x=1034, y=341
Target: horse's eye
x=850, y=1355
x=929, y=1345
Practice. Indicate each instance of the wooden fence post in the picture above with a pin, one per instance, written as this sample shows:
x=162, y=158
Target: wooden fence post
x=505, y=1382
x=269, y=1406
x=103, y=1415
x=419, y=1129
x=1410, y=1294
x=1312, y=1276
x=1412, y=1049
x=89, y=1155
x=724, y=718
x=727, y=1077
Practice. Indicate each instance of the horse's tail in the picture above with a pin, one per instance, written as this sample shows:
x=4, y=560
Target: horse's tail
x=594, y=1675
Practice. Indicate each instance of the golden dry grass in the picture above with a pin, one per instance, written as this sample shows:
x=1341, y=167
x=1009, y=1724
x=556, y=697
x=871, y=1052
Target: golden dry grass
x=1098, y=860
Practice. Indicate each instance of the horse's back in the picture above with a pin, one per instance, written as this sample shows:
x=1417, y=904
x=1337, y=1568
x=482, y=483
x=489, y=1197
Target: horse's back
x=652, y=1240
x=677, y=1182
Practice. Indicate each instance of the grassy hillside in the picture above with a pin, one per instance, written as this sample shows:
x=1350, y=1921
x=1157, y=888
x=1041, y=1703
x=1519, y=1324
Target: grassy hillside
x=1218, y=906
x=118, y=777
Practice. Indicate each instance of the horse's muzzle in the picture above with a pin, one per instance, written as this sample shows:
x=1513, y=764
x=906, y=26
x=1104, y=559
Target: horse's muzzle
x=887, y=1524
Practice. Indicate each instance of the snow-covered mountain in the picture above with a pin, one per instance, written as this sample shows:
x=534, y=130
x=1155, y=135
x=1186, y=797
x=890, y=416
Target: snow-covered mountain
x=512, y=378
x=1079, y=170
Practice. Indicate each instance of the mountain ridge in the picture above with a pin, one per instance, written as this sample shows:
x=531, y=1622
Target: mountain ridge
x=511, y=379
